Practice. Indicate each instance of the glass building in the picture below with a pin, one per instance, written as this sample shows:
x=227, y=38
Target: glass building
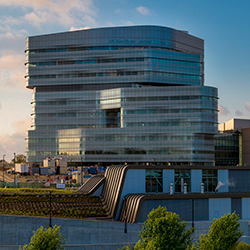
x=227, y=148
x=122, y=94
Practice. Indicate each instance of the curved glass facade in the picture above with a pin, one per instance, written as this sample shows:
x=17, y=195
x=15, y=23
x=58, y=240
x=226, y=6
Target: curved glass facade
x=120, y=94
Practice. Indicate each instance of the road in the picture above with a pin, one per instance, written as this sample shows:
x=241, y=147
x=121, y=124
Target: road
x=7, y=177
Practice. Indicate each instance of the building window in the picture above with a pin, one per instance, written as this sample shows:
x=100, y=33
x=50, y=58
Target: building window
x=154, y=180
x=210, y=179
x=181, y=177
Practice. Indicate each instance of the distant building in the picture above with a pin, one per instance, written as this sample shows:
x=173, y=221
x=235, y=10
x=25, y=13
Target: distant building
x=232, y=144
x=245, y=151
x=234, y=124
x=111, y=95
x=228, y=148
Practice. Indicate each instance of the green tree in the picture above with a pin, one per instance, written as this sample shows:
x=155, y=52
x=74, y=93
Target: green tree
x=242, y=246
x=20, y=158
x=164, y=230
x=224, y=234
x=128, y=247
x=46, y=239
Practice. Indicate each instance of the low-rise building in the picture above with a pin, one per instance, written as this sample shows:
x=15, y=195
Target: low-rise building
x=196, y=193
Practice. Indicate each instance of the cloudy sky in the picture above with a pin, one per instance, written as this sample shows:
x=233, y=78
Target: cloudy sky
x=224, y=25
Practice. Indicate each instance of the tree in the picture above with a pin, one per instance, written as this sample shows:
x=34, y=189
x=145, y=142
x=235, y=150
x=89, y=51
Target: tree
x=242, y=246
x=224, y=233
x=20, y=158
x=46, y=239
x=128, y=247
x=164, y=230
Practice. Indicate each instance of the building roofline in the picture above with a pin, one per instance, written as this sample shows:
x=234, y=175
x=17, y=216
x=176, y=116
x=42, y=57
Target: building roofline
x=118, y=27
x=179, y=167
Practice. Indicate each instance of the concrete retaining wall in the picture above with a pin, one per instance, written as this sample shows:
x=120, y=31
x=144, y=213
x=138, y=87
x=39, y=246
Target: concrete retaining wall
x=16, y=231
x=79, y=234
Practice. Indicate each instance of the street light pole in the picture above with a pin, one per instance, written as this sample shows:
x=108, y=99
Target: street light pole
x=3, y=170
x=14, y=169
x=50, y=210
x=81, y=178
x=125, y=211
x=192, y=200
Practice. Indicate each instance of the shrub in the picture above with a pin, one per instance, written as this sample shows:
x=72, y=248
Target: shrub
x=45, y=239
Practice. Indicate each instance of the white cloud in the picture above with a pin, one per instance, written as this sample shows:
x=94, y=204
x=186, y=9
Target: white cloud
x=12, y=69
x=110, y=24
x=142, y=10
x=10, y=61
x=38, y=18
x=238, y=113
x=15, y=143
x=54, y=5
x=25, y=3
x=21, y=126
x=128, y=23
x=223, y=111
x=41, y=12
x=74, y=28
x=89, y=21
x=8, y=21
x=247, y=106
x=13, y=40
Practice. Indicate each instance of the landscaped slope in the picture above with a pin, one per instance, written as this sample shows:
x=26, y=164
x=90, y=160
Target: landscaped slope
x=39, y=202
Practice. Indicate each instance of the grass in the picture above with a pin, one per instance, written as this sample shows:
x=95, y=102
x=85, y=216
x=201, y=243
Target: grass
x=36, y=202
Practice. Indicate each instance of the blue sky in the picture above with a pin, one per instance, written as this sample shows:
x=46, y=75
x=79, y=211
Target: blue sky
x=224, y=25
